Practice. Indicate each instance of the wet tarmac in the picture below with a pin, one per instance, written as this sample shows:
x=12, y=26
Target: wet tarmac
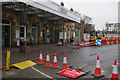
x=85, y=57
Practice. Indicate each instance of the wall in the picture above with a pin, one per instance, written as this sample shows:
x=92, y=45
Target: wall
x=15, y=24
x=82, y=31
x=89, y=27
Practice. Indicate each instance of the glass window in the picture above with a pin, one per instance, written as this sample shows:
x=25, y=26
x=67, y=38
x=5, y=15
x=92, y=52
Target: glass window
x=4, y=21
x=21, y=31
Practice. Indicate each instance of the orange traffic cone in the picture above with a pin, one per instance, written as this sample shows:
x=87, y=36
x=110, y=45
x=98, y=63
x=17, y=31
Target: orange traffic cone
x=64, y=62
x=55, y=65
x=40, y=58
x=97, y=72
x=47, y=60
x=114, y=72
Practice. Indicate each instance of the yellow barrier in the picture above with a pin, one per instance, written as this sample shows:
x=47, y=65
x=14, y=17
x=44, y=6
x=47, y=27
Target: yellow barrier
x=8, y=60
x=108, y=43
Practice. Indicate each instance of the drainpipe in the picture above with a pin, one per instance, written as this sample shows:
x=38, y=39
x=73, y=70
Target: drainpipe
x=25, y=36
x=63, y=31
x=25, y=44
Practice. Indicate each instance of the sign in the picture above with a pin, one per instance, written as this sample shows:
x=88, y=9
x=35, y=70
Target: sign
x=48, y=30
x=62, y=10
x=17, y=33
x=71, y=73
x=41, y=34
x=59, y=43
x=73, y=34
x=8, y=60
x=98, y=42
x=18, y=42
x=60, y=35
x=65, y=35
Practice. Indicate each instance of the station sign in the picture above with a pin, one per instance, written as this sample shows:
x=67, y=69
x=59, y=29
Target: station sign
x=62, y=10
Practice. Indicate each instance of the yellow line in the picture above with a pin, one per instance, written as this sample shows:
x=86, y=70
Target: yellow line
x=43, y=73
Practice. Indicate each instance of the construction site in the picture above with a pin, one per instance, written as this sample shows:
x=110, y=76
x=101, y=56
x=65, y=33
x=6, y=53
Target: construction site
x=43, y=40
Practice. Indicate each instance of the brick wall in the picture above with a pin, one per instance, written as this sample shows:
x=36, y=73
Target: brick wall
x=82, y=31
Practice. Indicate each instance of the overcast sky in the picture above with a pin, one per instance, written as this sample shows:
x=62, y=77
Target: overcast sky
x=101, y=11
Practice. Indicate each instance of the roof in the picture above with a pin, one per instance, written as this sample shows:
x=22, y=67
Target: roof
x=52, y=7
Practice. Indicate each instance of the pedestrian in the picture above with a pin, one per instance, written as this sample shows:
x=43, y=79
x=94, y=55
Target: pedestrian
x=31, y=39
x=71, y=40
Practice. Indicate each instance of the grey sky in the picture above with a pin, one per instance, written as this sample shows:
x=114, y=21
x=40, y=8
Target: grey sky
x=100, y=11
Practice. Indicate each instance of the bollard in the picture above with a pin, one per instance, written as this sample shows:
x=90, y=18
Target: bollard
x=8, y=61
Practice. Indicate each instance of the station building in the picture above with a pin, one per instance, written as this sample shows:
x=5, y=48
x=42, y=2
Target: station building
x=40, y=22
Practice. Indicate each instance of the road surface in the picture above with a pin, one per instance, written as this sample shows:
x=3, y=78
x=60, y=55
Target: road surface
x=85, y=56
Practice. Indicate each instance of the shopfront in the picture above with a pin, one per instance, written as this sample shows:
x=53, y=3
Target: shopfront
x=33, y=24
x=56, y=34
x=34, y=34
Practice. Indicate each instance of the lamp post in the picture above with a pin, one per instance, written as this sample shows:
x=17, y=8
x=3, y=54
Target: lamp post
x=106, y=29
x=63, y=29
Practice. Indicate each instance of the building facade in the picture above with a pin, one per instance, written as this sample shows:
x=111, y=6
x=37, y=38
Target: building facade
x=32, y=23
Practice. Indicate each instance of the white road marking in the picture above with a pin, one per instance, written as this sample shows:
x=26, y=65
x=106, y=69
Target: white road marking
x=43, y=73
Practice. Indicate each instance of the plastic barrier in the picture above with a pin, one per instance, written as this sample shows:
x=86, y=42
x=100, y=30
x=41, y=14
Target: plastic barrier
x=92, y=43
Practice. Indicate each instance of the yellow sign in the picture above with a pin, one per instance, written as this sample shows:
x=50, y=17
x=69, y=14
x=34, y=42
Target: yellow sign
x=8, y=60
x=24, y=64
x=108, y=43
x=117, y=42
x=48, y=30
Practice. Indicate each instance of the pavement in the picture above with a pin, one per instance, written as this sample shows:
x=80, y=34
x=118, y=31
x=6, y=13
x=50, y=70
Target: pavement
x=85, y=56
x=16, y=56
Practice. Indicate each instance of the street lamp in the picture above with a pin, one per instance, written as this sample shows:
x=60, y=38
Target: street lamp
x=107, y=29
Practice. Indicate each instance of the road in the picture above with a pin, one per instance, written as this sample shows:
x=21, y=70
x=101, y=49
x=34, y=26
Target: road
x=85, y=56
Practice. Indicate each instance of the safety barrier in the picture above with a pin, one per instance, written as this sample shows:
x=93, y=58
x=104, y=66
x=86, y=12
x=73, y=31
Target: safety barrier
x=107, y=41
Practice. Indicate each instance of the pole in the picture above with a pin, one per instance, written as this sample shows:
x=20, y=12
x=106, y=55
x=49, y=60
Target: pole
x=8, y=60
x=63, y=30
x=25, y=44
x=107, y=30
x=25, y=36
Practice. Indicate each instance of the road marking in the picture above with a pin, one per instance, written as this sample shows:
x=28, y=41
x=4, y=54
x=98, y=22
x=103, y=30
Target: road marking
x=43, y=73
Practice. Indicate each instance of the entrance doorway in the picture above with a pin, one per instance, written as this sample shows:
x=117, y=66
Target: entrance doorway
x=34, y=34
x=56, y=35
x=6, y=33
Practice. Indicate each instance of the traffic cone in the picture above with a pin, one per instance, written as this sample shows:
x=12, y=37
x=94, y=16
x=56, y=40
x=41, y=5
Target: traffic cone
x=55, y=65
x=47, y=60
x=64, y=62
x=40, y=58
x=97, y=72
x=114, y=72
